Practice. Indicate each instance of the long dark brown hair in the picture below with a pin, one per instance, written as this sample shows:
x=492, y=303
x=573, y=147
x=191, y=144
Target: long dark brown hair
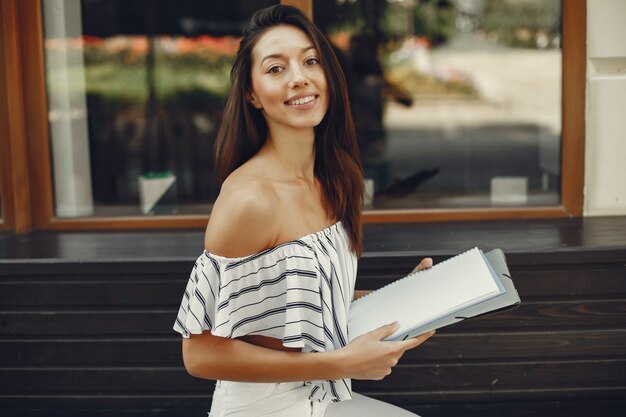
x=243, y=130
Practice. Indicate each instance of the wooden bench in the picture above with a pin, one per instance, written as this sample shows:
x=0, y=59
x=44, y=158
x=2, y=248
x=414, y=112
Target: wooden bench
x=85, y=322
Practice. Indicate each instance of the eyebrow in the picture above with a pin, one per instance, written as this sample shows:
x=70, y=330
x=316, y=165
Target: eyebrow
x=303, y=50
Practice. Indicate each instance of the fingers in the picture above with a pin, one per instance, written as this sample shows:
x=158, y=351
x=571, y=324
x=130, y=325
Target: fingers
x=424, y=264
x=384, y=331
x=386, y=354
x=425, y=336
x=416, y=341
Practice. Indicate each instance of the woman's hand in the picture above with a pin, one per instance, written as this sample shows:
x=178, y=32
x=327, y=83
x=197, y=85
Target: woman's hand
x=369, y=357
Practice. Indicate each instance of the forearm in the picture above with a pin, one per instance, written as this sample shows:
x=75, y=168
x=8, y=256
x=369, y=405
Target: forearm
x=213, y=357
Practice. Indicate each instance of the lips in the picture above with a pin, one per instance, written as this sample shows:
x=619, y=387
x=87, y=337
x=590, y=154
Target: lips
x=298, y=101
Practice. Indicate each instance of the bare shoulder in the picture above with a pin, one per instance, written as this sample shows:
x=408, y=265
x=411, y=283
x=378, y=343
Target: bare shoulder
x=243, y=219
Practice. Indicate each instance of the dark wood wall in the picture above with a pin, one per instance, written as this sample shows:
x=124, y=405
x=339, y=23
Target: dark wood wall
x=92, y=336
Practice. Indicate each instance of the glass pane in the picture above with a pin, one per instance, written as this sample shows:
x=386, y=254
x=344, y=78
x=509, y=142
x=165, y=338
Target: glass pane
x=135, y=89
x=456, y=103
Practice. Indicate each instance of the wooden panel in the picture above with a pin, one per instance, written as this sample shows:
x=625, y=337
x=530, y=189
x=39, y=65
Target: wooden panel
x=500, y=376
x=130, y=223
x=13, y=148
x=166, y=405
x=464, y=214
x=387, y=216
x=605, y=408
x=586, y=407
x=77, y=350
x=86, y=271
x=36, y=118
x=119, y=406
x=104, y=322
x=433, y=379
x=529, y=243
x=102, y=290
x=92, y=294
x=550, y=315
x=540, y=237
x=180, y=405
x=590, y=281
x=81, y=350
x=7, y=22
x=591, y=392
x=573, y=104
x=564, y=281
x=548, y=345
x=529, y=316
x=118, y=380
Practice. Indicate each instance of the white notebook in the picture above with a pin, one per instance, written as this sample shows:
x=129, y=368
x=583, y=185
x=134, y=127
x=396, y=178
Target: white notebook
x=464, y=286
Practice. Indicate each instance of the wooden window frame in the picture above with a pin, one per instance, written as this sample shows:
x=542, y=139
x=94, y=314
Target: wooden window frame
x=25, y=171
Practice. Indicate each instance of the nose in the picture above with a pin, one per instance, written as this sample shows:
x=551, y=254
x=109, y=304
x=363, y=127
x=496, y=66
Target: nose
x=298, y=79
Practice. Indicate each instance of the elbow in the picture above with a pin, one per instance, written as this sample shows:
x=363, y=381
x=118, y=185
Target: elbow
x=199, y=357
x=191, y=368
x=191, y=360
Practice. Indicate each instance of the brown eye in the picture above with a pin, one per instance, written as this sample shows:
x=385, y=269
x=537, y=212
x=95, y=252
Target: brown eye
x=274, y=70
x=312, y=61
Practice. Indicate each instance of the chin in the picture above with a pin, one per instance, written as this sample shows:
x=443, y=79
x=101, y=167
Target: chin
x=304, y=123
x=297, y=122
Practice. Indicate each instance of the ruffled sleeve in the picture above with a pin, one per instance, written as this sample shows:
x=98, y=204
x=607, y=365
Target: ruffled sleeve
x=275, y=293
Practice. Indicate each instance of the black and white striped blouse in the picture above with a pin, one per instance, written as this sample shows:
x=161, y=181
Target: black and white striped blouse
x=299, y=292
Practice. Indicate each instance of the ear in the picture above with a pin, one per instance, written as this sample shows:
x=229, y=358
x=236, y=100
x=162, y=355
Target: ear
x=254, y=100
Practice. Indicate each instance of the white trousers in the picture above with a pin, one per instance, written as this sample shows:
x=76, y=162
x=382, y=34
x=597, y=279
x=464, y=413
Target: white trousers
x=290, y=399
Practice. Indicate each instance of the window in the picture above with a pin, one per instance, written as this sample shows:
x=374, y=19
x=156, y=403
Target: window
x=456, y=104
x=75, y=201
x=135, y=92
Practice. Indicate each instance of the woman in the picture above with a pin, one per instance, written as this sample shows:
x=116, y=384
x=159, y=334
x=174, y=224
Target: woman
x=265, y=309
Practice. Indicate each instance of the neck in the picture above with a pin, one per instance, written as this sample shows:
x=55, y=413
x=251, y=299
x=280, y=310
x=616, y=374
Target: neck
x=292, y=152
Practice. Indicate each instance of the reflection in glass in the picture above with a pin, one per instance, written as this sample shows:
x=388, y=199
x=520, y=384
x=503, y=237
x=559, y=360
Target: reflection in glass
x=456, y=103
x=135, y=92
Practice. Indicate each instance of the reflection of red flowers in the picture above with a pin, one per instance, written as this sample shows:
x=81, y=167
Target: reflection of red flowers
x=137, y=46
x=92, y=40
x=423, y=42
x=222, y=45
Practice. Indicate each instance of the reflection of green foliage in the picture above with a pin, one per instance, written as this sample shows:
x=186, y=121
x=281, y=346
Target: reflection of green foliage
x=98, y=56
x=362, y=16
x=434, y=19
x=515, y=23
x=121, y=76
x=116, y=81
x=192, y=77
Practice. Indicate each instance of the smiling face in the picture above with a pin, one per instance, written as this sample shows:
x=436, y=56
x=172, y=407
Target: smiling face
x=288, y=82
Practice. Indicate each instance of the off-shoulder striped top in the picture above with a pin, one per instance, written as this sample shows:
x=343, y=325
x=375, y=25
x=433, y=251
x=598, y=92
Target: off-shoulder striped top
x=299, y=291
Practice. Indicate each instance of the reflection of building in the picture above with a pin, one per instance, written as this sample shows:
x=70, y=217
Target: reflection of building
x=469, y=10
x=85, y=316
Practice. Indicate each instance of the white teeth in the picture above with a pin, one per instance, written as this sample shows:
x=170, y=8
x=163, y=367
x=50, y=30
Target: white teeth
x=303, y=100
